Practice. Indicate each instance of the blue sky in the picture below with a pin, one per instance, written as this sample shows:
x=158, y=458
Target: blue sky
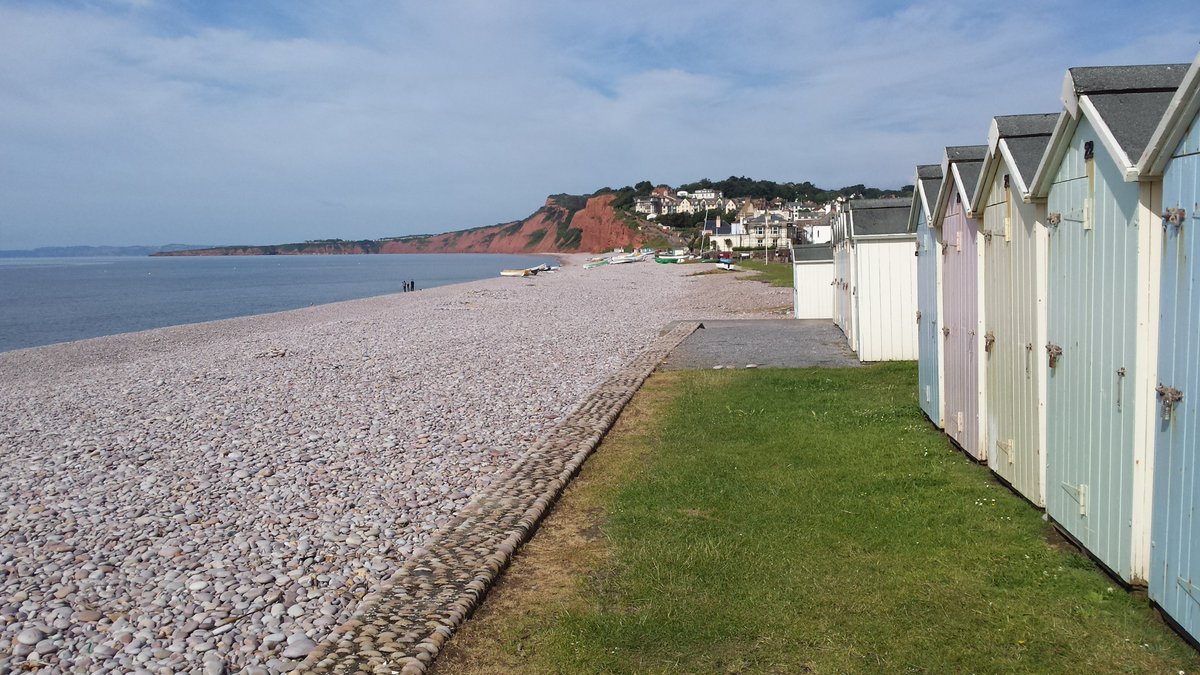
x=154, y=122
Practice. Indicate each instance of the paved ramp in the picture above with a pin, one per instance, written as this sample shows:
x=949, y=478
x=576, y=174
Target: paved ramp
x=766, y=343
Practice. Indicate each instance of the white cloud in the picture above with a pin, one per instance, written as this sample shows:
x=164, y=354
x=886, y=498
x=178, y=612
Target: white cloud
x=298, y=121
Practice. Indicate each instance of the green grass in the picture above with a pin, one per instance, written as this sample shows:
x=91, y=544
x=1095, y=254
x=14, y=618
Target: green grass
x=776, y=274
x=813, y=521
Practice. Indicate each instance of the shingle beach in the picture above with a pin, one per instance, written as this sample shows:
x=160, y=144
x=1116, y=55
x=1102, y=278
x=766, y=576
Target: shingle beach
x=221, y=496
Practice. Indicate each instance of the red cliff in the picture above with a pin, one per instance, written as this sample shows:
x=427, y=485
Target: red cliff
x=565, y=224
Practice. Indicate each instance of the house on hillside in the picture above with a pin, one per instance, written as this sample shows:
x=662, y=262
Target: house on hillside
x=706, y=193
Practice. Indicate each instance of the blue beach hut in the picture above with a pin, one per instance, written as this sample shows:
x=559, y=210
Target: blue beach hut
x=1173, y=155
x=929, y=289
x=1102, y=320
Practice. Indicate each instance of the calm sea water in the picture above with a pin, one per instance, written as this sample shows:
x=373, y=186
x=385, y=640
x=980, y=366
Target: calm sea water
x=49, y=300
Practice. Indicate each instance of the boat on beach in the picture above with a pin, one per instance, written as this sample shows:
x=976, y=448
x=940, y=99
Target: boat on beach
x=528, y=271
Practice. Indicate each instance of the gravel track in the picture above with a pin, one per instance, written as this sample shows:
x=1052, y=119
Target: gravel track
x=218, y=497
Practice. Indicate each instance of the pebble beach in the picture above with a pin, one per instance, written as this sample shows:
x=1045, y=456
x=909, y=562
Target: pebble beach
x=219, y=497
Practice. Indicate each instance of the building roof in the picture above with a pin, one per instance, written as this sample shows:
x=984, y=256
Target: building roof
x=876, y=217
x=961, y=168
x=1123, y=103
x=1017, y=143
x=925, y=191
x=810, y=253
x=1181, y=111
x=1132, y=117
x=1108, y=79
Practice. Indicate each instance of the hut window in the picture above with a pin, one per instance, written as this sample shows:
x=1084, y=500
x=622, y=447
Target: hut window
x=1089, y=166
x=1008, y=208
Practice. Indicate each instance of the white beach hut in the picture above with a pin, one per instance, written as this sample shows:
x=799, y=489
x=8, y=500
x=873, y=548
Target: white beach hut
x=812, y=281
x=878, y=279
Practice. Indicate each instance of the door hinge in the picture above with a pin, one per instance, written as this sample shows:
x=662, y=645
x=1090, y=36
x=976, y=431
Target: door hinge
x=1054, y=352
x=1175, y=216
x=1170, y=398
x=918, y=316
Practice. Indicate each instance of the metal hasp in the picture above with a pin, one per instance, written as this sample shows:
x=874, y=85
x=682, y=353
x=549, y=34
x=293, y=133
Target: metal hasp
x=989, y=339
x=1054, y=218
x=918, y=316
x=1175, y=216
x=1170, y=396
x=1054, y=352
x=945, y=331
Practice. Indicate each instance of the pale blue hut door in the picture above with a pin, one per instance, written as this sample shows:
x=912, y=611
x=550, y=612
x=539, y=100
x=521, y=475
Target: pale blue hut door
x=1175, y=556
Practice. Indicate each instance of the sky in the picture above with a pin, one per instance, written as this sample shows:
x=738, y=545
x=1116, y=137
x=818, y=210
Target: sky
x=148, y=122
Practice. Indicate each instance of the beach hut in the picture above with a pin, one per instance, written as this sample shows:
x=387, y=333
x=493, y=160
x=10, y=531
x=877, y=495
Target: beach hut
x=1102, y=325
x=881, y=286
x=962, y=314
x=929, y=289
x=1014, y=293
x=843, y=270
x=812, y=277
x=1174, y=155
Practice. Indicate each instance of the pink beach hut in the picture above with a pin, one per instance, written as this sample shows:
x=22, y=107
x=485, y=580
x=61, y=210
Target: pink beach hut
x=962, y=310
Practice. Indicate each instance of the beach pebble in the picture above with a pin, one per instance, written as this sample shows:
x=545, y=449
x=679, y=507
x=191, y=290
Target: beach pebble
x=30, y=636
x=207, y=504
x=298, y=646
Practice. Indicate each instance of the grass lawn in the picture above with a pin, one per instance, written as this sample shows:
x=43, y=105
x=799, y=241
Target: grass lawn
x=776, y=274
x=780, y=521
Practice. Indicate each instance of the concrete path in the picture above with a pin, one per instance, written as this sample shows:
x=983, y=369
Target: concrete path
x=767, y=343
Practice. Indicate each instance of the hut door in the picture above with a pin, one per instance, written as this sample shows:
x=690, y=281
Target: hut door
x=1174, y=565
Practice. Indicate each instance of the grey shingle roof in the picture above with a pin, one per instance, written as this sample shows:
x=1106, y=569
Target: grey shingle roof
x=860, y=204
x=969, y=160
x=1108, y=79
x=1132, y=117
x=966, y=153
x=812, y=253
x=929, y=171
x=879, y=216
x=1010, y=126
x=1027, y=153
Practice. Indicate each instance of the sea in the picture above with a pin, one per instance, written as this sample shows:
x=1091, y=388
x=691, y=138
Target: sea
x=49, y=300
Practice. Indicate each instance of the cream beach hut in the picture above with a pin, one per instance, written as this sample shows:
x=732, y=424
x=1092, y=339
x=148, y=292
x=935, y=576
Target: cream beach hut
x=1102, y=325
x=1014, y=293
x=961, y=311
